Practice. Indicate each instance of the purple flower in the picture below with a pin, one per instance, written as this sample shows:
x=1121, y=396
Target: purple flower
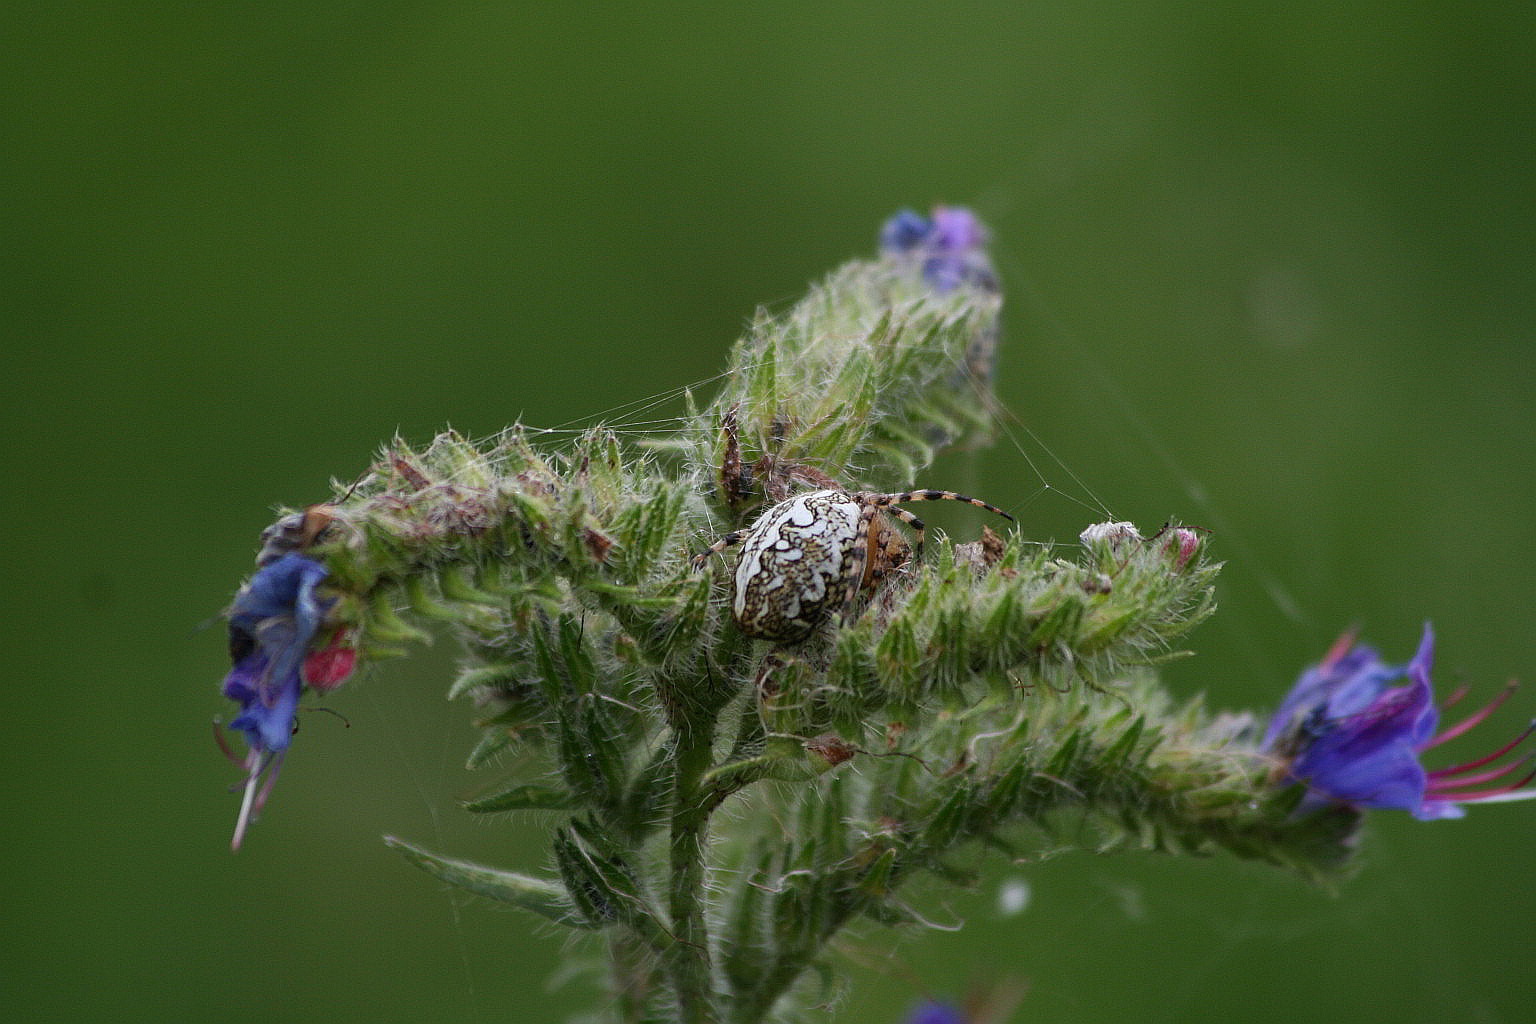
x=952, y=247
x=271, y=624
x=931, y=1011
x=1353, y=738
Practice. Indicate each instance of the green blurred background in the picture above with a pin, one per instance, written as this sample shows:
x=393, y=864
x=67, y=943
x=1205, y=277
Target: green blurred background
x=1269, y=269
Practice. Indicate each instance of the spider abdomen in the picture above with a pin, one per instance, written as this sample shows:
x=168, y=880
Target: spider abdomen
x=792, y=568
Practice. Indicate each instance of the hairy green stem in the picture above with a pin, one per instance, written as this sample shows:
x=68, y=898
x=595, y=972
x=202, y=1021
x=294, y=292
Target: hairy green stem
x=688, y=959
x=633, y=975
x=787, y=967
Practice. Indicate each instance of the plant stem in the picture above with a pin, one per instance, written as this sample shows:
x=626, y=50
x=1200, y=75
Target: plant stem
x=688, y=959
x=633, y=975
x=784, y=972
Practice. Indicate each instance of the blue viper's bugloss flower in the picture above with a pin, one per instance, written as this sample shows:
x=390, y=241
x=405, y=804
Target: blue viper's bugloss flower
x=1352, y=737
x=271, y=624
x=952, y=246
x=931, y=1011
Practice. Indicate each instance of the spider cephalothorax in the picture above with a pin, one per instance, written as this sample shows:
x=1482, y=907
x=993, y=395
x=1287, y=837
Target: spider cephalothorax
x=774, y=479
x=809, y=555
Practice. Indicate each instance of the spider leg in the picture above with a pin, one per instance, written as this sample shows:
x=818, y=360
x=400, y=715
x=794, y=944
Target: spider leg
x=912, y=521
x=888, y=503
x=729, y=540
x=887, y=550
x=853, y=569
x=764, y=684
x=735, y=479
x=904, y=496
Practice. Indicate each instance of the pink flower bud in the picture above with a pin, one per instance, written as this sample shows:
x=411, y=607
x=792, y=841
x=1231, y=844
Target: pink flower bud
x=330, y=666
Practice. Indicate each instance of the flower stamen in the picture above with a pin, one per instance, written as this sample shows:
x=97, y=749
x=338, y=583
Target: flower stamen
x=264, y=763
x=1465, y=796
x=223, y=744
x=247, y=803
x=1456, y=697
x=1440, y=781
x=1467, y=766
x=1473, y=720
x=1341, y=647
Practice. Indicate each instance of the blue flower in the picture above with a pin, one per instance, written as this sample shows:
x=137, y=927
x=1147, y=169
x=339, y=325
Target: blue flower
x=952, y=247
x=904, y=231
x=271, y=624
x=931, y=1011
x=1354, y=738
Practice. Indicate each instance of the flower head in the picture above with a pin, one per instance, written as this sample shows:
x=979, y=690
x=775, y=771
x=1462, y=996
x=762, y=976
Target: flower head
x=952, y=246
x=1353, y=738
x=271, y=624
x=1182, y=543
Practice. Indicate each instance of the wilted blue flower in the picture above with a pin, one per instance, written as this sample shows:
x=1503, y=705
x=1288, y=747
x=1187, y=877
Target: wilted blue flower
x=271, y=624
x=1354, y=738
x=952, y=246
x=931, y=1011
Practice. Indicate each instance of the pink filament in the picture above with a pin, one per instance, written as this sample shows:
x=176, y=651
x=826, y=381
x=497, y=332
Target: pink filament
x=1455, y=697
x=1472, y=720
x=1439, y=783
x=1483, y=794
x=1340, y=647
x=1468, y=766
x=218, y=737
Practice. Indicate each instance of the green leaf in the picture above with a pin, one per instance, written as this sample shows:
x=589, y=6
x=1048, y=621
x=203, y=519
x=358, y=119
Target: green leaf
x=645, y=805
x=486, y=675
x=425, y=603
x=540, y=896
x=1060, y=763
x=879, y=879
x=456, y=584
x=384, y=625
x=492, y=742
x=523, y=797
x=1119, y=751
x=593, y=898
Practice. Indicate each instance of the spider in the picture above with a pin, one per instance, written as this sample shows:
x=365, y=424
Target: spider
x=739, y=482
x=810, y=554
